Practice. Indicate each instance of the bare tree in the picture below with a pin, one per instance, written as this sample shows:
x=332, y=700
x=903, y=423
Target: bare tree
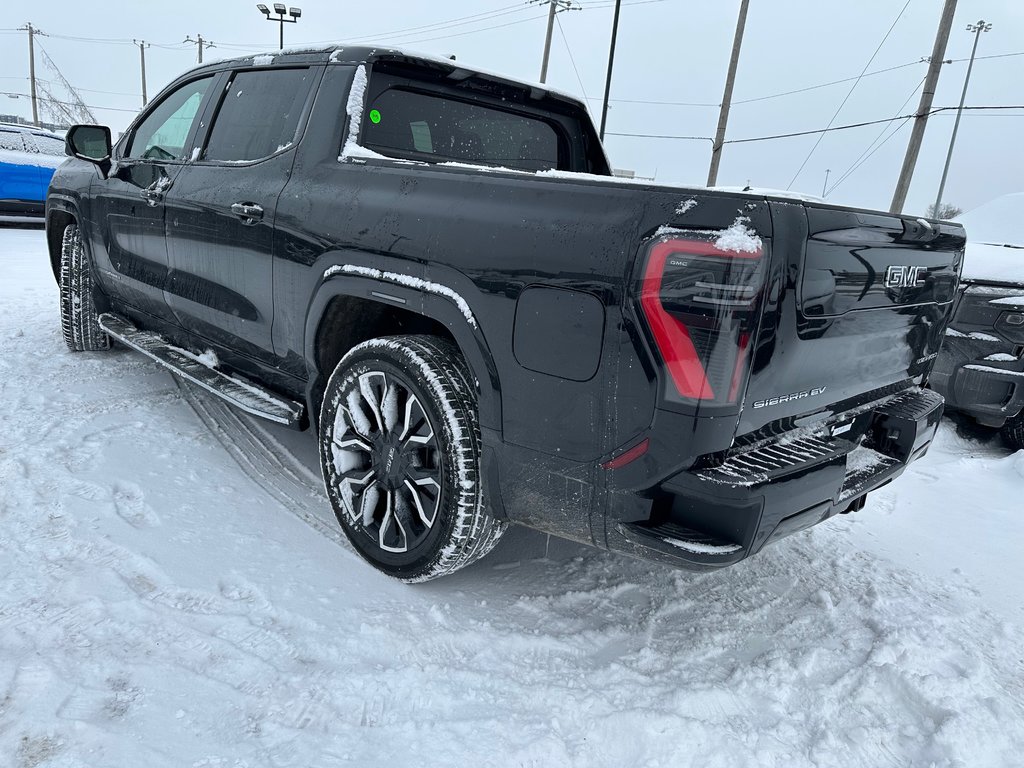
x=946, y=211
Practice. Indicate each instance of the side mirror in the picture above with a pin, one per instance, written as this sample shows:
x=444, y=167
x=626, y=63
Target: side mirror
x=90, y=143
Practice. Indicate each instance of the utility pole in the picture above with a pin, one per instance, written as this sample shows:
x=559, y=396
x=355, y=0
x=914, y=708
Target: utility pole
x=730, y=81
x=32, y=32
x=201, y=43
x=825, y=185
x=143, y=45
x=977, y=29
x=611, y=64
x=931, y=81
x=554, y=6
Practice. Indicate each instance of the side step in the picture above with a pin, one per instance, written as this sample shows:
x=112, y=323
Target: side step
x=240, y=392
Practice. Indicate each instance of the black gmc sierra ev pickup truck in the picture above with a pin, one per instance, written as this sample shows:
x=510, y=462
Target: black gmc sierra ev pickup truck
x=433, y=268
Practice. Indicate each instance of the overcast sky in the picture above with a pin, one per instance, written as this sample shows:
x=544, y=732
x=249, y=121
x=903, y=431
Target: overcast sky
x=669, y=51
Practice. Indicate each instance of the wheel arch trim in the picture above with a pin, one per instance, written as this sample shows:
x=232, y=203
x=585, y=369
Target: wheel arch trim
x=432, y=300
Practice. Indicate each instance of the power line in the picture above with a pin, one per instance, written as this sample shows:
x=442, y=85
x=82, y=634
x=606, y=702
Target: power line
x=441, y=26
x=769, y=96
x=871, y=148
x=830, y=129
x=18, y=95
x=470, y=32
x=867, y=157
x=848, y=95
x=575, y=69
x=422, y=29
x=660, y=136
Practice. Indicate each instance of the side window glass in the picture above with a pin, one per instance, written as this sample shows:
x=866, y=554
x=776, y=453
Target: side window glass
x=163, y=132
x=434, y=127
x=259, y=114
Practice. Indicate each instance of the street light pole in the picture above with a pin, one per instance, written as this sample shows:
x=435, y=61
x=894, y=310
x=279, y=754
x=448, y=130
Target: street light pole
x=977, y=29
x=281, y=11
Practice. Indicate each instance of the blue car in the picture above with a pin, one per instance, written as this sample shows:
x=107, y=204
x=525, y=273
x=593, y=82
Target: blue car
x=28, y=158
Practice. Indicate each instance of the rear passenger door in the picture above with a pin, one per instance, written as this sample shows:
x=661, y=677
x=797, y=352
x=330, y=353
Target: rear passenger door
x=220, y=210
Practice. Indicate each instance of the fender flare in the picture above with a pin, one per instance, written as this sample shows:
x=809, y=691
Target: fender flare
x=57, y=204
x=429, y=299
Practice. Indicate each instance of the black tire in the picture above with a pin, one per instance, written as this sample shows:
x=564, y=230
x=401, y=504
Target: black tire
x=400, y=454
x=78, y=316
x=1013, y=432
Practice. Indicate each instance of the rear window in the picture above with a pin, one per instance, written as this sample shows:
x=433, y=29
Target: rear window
x=408, y=123
x=259, y=114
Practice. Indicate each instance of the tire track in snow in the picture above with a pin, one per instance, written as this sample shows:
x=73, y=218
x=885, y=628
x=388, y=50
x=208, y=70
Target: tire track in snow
x=275, y=470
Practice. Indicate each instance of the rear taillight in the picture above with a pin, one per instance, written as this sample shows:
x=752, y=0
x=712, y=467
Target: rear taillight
x=701, y=304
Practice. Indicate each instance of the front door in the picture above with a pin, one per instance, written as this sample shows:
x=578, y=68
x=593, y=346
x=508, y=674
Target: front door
x=128, y=242
x=220, y=210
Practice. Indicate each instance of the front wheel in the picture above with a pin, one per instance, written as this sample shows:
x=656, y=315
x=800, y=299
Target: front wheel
x=400, y=453
x=1013, y=432
x=78, y=317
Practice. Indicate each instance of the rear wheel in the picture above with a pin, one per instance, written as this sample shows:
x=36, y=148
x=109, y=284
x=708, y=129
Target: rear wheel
x=400, y=453
x=1013, y=432
x=78, y=316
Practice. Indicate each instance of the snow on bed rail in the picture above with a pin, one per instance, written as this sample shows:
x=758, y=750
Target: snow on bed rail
x=739, y=237
x=408, y=281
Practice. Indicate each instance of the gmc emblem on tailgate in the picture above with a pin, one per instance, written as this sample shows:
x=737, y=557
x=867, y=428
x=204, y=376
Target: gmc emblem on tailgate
x=899, y=276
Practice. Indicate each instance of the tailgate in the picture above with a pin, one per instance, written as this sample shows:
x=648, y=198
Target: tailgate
x=856, y=310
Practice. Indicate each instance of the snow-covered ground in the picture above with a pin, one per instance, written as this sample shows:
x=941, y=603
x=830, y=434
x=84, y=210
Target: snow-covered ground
x=173, y=592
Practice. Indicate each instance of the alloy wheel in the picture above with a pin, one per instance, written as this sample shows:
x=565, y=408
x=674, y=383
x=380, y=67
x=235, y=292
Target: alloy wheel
x=388, y=462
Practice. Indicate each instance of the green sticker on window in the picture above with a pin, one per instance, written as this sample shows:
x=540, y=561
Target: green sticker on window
x=374, y=116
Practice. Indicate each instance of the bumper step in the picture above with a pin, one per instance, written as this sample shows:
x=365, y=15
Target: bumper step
x=239, y=392
x=683, y=543
x=761, y=465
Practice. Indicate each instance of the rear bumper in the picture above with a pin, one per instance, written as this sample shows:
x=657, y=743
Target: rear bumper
x=714, y=517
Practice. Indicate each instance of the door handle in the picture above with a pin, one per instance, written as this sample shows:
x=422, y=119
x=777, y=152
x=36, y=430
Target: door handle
x=154, y=193
x=249, y=213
